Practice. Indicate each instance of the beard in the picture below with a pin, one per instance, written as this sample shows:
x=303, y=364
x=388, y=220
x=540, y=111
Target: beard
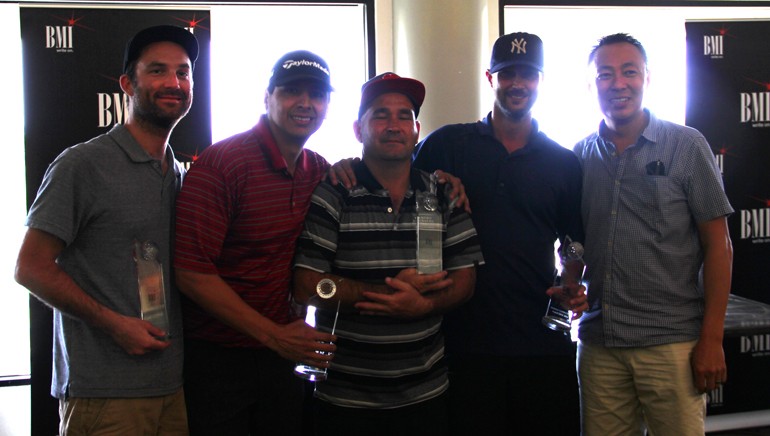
x=517, y=113
x=149, y=112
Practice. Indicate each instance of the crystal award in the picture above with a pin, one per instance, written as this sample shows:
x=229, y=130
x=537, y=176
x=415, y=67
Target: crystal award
x=429, y=230
x=309, y=372
x=556, y=317
x=152, y=289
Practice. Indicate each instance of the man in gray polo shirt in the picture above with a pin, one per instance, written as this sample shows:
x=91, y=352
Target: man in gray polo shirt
x=102, y=204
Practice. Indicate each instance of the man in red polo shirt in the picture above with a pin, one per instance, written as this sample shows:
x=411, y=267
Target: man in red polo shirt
x=239, y=214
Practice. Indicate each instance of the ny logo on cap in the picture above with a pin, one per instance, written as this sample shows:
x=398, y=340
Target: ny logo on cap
x=519, y=46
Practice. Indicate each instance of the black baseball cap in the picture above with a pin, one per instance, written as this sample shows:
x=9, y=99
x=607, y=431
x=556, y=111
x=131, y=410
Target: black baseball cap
x=154, y=34
x=300, y=64
x=518, y=48
x=385, y=83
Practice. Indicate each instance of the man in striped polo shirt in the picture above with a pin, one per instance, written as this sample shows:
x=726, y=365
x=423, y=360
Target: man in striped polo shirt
x=388, y=374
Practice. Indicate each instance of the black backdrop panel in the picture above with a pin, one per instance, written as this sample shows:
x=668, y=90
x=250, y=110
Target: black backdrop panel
x=728, y=100
x=728, y=88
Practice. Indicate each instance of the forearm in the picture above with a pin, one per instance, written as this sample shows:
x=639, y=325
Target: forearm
x=457, y=293
x=717, y=273
x=717, y=276
x=348, y=291
x=214, y=295
x=38, y=271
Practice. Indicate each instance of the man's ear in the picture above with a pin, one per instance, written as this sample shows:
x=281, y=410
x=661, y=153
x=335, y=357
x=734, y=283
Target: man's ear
x=357, y=130
x=126, y=86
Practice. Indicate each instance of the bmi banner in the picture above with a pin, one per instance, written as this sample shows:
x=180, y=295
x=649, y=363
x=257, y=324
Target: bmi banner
x=73, y=58
x=72, y=61
x=728, y=89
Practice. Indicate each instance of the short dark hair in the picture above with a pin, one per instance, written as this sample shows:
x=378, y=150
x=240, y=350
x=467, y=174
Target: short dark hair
x=617, y=38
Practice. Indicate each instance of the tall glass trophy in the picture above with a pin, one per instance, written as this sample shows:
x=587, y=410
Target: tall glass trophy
x=429, y=226
x=152, y=289
x=309, y=372
x=569, y=275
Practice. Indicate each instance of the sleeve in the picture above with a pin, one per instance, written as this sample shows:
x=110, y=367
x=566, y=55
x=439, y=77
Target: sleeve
x=203, y=210
x=705, y=191
x=64, y=200
x=461, y=242
x=317, y=245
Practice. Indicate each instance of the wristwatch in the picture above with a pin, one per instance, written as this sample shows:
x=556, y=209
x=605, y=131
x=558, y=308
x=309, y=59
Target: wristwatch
x=326, y=288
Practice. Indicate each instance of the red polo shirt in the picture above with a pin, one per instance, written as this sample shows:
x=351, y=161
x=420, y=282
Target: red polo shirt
x=239, y=215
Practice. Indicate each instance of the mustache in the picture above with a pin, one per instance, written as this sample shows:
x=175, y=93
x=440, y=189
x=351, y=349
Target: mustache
x=172, y=93
x=520, y=93
x=392, y=137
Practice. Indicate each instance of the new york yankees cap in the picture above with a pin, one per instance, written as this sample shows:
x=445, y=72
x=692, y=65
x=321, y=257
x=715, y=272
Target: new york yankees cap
x=518, y=48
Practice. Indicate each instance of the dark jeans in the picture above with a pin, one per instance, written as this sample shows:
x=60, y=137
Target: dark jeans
x=236, y=391
x=513, y=396
x=428, y=418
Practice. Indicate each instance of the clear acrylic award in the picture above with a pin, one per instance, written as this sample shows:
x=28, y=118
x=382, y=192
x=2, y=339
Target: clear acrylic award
x=556, y=317
x=152, y=289
x=309, y=372
x=429, y=226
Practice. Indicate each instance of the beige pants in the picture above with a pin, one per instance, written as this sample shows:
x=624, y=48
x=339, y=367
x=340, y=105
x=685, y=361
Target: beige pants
x=165, y=415
x=624, y=389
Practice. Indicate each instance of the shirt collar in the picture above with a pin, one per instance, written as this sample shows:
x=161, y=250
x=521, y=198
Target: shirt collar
x=133, y=150
x=650, y=132
x=270, y=148
x=366, y=179
x=485, y=128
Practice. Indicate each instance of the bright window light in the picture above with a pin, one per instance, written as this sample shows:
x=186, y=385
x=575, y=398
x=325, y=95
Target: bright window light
x=14, y=310
x=565, y=109
x=247, y=40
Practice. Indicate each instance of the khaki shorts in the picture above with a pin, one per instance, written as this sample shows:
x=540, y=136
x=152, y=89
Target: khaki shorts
x=624, y=390
x=165, y=415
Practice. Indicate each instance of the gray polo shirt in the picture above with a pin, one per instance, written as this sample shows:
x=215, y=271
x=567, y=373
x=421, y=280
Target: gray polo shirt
x=98, y=197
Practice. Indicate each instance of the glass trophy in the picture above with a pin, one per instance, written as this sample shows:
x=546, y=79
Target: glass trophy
x=429, y=226
x=556, y=317
x=308, y=372
x=152, y=289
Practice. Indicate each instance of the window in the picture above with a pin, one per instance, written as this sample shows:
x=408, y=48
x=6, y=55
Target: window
x=14, y=310
x=247, y=40
x=569, y=33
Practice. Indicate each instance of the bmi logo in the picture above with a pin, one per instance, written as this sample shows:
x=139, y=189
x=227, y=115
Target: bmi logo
x=755, y=225
x=113, y=108
x=720, y=160
x=755, y=108
x=713, y=46
x=59, y=38
x=716, y=398
x=756, y=345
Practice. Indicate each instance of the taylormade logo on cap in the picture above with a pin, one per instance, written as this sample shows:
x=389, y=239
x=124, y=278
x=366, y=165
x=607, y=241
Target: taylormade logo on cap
x=289, y=63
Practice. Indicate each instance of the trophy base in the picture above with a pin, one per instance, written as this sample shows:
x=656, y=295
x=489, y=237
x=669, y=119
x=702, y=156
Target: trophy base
x=557, y=324
x=310, y=373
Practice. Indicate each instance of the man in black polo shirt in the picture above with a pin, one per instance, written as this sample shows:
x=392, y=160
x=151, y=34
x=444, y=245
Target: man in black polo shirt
x=508, y=371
